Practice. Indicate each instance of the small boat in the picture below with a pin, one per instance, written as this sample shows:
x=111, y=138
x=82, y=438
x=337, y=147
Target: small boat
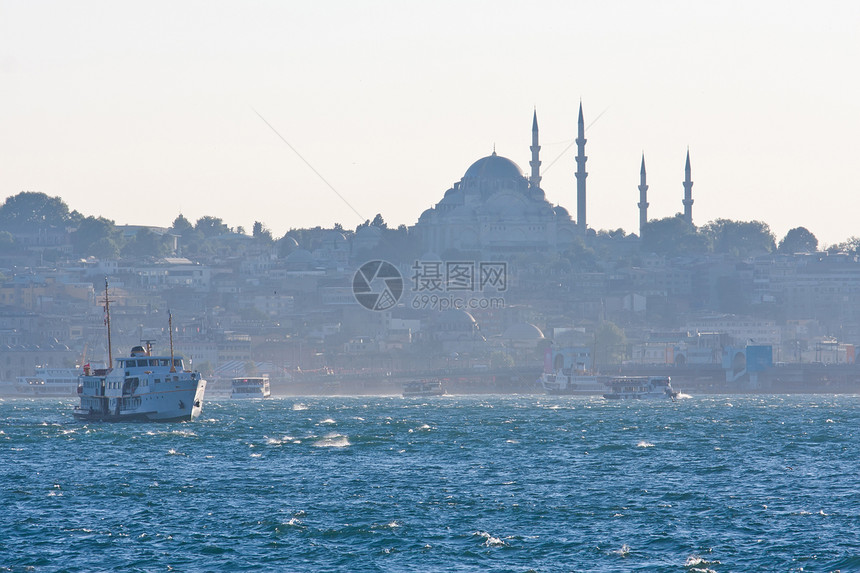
x=423, y=388
x=250, y=387
x=142, y=386
x=641, y=387
x=562, y=382
x=49, y=382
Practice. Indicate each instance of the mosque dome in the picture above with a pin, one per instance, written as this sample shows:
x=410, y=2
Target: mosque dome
x=494, y=167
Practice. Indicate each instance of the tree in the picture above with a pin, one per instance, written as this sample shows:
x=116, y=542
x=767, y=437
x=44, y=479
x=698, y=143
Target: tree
x=378, y=221
x=850, y=245
x=672, y=236
x=609, y=344
x=261, y=232
x=145, y=244
x=798, y=240
x=739, y=238
x=104, y=248
x=181, y=225
x=90, y=231
x=7, y=242
x=31, y=208
x=211, y=226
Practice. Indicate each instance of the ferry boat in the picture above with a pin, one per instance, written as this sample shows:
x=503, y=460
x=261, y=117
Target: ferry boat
x=423, y=388
x=641, y=387
x=49, y=382
x=142, y=386
x=250, y=387
x=562, y=382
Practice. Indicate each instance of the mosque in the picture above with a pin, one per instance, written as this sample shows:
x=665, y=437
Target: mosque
x=496, y=209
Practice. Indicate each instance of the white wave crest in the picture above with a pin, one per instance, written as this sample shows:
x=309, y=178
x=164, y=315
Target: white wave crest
x=489, y=540
x=333, y=441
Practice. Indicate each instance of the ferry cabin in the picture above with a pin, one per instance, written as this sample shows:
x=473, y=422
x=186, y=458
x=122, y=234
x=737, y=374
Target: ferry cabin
x=250, y=387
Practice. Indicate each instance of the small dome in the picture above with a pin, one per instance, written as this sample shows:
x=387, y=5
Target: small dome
x=290, y=242
x=368, y=232
x=333, y=236
x=561, y=212
x=523, y=332
x=494, y=167
x=300, y=256
x=455, y=317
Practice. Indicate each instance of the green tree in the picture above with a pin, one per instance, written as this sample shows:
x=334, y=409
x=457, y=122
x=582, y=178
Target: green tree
x=739, y=238
x=261, y=232
x=31, y=208
x=104, y=248
x=798, y=240
x=181, y=225
x=91, y=230
x=850, y=245
x=671, y=237
x=378, y=221
x=609, y=344
x=211, y=226
x=7, y=242
x=145, y=244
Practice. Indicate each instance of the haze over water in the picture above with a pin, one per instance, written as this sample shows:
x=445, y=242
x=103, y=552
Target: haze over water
x=496, y=483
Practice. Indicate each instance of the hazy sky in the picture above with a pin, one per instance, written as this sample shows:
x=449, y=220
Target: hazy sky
x=141, y=110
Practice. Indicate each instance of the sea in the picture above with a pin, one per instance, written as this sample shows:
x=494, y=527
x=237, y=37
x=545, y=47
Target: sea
x=515, y=483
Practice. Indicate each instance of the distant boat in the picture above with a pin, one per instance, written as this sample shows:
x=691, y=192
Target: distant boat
x=641, y=387
x=423, y=388
x=49, y=382
x=250, y=387
x=566, y=383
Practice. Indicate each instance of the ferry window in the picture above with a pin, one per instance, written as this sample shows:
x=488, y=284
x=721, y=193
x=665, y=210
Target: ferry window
x=177, y=362
x=153, y=362
x=164, y=362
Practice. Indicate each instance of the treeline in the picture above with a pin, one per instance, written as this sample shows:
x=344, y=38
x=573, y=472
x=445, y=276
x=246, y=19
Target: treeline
x=30, y=212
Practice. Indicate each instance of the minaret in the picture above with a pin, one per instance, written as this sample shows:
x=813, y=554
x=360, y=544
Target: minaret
x=643, y=199
x=688, y=192
x=580, y=173
x=534, y=180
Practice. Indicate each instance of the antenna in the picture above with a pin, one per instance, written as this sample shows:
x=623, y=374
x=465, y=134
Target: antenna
x=170, y=324
x=107, y=323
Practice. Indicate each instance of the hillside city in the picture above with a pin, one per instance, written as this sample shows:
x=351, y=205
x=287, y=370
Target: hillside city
x=245, y=302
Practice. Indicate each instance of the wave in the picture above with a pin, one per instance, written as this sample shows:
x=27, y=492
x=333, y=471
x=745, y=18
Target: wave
x=333, y=441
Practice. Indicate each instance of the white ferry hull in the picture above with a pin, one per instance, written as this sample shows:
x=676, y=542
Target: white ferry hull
x=563, y=385
x=175, y=405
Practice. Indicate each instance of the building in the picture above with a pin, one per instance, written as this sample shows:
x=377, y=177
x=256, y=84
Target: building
x=495, y=210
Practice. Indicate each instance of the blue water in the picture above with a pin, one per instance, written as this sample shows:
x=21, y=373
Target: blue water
x=500, y=483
